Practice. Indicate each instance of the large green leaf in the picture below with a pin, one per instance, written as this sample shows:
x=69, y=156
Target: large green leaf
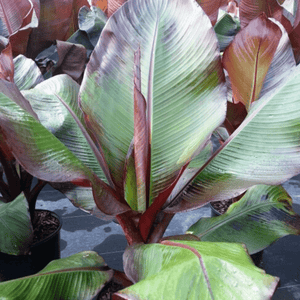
x=181, y=80
x=264, y=148
x=194, y=270
x=15, y=226
x=80, y=276
x=261, y=217
x=52, y=113
x=57, y=118
x=45, y=157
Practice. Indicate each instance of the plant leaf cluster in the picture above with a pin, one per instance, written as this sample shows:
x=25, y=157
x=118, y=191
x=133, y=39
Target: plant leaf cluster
x=150, y=108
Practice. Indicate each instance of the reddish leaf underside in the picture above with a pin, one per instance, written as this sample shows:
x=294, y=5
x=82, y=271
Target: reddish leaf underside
x=72, y=59
x=113, y=5
x=15, y=15
x=141, y=146
x=250, y=9
x=235, y=115
x=248, y=58
x=58, y=21
x=211, y=8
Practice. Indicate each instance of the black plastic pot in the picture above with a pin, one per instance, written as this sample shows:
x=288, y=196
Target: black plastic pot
x=42, y=252
x=256, y=257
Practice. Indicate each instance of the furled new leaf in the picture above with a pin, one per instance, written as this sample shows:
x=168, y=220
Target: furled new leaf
x=193, y=270
x=15, y=227
x=226, y=28
x=182, y=82
x=262, y=216
x=80, y=276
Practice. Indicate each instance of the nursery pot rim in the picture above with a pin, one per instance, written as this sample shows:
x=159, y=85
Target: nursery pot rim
x=45, y=239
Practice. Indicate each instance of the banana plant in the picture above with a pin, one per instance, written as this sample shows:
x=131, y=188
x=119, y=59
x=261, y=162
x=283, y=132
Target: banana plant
x=134, y=143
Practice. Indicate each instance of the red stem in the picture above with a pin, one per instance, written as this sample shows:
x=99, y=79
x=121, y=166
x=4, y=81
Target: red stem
x=132, y=234
x=160, y=229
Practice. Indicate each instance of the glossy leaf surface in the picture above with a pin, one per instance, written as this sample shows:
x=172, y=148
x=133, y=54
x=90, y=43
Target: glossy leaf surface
x=91, y=22
x=191, y=269
x=252, y=49
x=263, y=150
x=261, y=217
x=15, y=227
x=182, y=81
x=60, y=93
x=26, y=73
x=57, y=119
x=47, y=154
x=80, y=276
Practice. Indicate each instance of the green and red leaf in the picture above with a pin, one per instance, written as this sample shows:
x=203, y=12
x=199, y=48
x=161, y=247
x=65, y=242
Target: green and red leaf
x=252, y=49
x=262, y=216
x=180, y=80
x=191, y=269
x=86, y=274
x=263, y=149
